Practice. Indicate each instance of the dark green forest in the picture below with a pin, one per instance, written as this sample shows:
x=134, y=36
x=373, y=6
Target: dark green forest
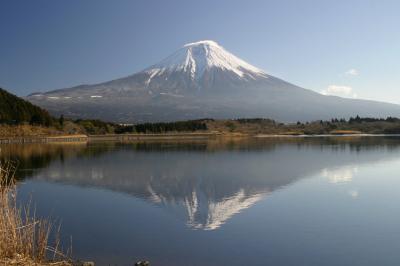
x=14, y=111
x=96, y=127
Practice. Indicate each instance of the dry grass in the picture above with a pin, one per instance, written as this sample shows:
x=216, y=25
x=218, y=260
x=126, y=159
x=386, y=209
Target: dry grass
x=24, y=238
x=26, y=130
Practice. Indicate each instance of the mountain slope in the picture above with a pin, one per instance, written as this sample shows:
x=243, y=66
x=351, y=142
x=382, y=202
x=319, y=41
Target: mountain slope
x=14, y=110
x=200, y=80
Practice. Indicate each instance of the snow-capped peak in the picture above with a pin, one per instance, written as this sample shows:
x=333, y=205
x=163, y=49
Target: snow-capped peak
x=200, y=57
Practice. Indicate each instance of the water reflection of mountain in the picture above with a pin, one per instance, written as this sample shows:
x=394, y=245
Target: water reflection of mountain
x=205, y=183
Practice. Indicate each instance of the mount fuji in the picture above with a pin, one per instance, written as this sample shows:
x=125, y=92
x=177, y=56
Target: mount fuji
x=202, y=80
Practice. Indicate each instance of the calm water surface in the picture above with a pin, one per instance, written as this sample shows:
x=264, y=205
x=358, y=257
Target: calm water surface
x=313, y=201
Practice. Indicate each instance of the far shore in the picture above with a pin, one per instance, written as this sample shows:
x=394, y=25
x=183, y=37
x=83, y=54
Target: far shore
x=166, y=136
x=106, y=137
x=324, y=135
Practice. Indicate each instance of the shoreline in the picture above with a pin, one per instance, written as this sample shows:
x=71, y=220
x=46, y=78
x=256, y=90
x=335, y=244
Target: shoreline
x=170, y=136
x=44, y=139
x=140, y=137
x=324, y=135
x=104, y=138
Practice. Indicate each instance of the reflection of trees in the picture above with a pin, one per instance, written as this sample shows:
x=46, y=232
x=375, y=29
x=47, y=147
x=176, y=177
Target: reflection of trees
x=30, y=157
x=353, y=142
x=36, y=156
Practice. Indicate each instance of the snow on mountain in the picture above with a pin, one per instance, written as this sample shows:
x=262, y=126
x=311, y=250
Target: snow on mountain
x=200, y=57
x=202, y=79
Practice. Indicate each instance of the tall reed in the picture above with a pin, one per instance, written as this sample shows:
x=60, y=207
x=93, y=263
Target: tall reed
x=24, y=238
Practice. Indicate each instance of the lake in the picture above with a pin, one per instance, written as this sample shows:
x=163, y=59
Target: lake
x=289, y=201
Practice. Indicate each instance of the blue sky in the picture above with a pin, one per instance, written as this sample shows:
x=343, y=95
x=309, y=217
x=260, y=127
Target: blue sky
x=350, y=48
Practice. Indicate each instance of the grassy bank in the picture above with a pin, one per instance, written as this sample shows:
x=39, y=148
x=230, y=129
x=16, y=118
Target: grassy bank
x=26, y=130
x=259, y=126
x=24, y=238
x=254, y=126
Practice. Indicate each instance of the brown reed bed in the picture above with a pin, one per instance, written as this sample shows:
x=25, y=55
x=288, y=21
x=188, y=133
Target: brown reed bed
x=25, y=238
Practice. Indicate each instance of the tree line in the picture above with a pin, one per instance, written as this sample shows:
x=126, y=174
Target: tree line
x=96, y=127
x=163, y=127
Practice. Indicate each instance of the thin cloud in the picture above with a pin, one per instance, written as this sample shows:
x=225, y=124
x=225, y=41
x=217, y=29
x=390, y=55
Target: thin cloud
x=339, y=90
x=352, y=72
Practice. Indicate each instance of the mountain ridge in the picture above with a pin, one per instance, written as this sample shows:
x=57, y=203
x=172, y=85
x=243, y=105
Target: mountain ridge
x=199, y=80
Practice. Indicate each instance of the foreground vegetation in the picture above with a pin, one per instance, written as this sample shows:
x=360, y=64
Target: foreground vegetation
x=24, y=238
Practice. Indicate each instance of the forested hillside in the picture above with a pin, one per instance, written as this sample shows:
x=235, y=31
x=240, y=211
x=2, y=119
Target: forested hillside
x=14, y=110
